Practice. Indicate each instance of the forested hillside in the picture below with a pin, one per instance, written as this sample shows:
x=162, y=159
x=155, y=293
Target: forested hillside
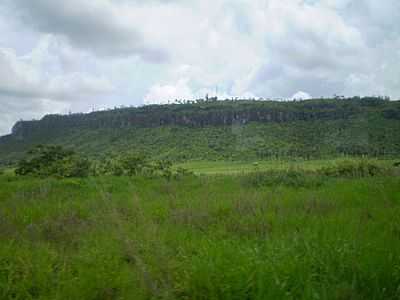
x=231, y=130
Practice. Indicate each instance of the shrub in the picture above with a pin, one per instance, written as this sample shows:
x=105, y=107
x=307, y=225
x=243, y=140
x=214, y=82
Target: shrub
x=289, y=177
x=182, y=172
x=75, y=167
x=46, y=161
x=109, y=166
x=133, y=164
x=363, y=168
x=163, y=168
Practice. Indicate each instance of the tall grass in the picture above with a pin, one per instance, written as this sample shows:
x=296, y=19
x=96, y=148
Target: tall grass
x=215, y=237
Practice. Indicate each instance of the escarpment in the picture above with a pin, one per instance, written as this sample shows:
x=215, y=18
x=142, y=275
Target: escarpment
x=229, y=129
x=201, y=114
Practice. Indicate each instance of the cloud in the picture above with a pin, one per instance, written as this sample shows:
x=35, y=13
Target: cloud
x=100, y=26
x=28, y=88
x=104, y=53
x=23, y=78
x=168, y=93
x=303, y=54
x=300, y=95
x=14, y=109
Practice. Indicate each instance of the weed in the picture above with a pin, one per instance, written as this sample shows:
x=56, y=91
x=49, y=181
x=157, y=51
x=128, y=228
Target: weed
x=263, y=235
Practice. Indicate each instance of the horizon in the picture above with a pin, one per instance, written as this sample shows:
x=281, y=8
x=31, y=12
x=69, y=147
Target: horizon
x=209, y=149
x=57, y=57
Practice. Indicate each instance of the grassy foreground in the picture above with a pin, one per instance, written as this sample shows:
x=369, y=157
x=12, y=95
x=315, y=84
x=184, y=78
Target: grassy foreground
x=215, y=237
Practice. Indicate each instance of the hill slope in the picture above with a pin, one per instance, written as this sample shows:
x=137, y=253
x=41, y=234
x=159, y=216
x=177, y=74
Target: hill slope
x=238, y=130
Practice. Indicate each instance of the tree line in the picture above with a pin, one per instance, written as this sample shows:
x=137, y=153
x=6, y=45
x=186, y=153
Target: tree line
x=56, y=161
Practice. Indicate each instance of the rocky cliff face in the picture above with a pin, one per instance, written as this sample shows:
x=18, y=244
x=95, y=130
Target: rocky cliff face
x=219, y=113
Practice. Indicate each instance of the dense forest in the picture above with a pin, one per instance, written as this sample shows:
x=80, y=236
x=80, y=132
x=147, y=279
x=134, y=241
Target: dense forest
x=221, y=129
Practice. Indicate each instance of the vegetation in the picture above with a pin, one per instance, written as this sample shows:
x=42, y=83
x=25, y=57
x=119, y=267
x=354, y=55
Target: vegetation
x=333, y=236
x=309, y=166
x=206, y=200
x=55, y=161
x=47, y=161
x=221, y=130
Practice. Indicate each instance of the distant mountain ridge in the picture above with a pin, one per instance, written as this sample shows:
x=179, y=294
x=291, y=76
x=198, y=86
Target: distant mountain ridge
x=164, y=124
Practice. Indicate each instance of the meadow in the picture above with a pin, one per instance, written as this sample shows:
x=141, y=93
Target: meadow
x=204, y=167
x=231, y=235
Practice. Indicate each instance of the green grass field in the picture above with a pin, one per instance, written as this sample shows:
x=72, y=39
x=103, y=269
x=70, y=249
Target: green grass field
x=237, y=167
x=204, y=237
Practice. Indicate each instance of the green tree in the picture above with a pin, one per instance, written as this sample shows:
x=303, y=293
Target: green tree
x=45, y=161
x=164, y=168
x=134, y=164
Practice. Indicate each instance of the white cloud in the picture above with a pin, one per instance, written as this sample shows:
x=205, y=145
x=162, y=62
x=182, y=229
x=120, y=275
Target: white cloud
x=29, y=76
x=104, y=53
x=28, y=88
x=300, y=95
x=168, y=93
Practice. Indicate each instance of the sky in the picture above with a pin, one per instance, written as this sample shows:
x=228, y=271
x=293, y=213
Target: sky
x=77, y=56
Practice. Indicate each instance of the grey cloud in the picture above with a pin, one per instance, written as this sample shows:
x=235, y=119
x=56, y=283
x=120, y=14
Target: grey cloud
x=13, y=109
x=332, y=57
x=29, y=89
x=22, y=78
x=376, y=20
x=91, y=25
x=271, y=48
x=284, y=81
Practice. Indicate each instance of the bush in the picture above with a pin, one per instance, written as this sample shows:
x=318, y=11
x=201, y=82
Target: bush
x=109, y=166
x=289, y=177
x=46, y=161
x=133, y=164
x=163, y=168
x=182, y=173
x=75, y=167
x=363, y=168
x=302, y=178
